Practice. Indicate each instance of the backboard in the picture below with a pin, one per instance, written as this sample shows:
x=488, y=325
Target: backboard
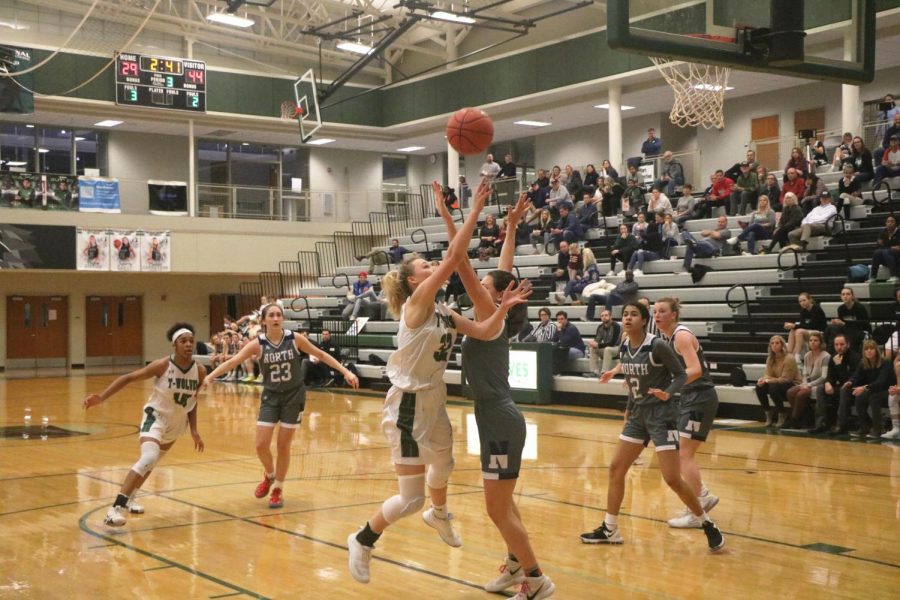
x=306, y=98
x=819, y=39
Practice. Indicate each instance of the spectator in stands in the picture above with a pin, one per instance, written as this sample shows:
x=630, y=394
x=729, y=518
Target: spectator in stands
x=632, y=198
x=508, y=170
x=394, y=254
x=842, y=158
x=541, y=223
x=450, y=199
x=894, y=403
x=542, y=179
x=546, y=329
x=791, y=217
x=841, y=366
x=849, y=193
x=561, y=273
x=852, y=320
x=889, y=165
x=815, y=367
x=814, y=224
x=768, y=186
x=759, y=227
x=316, y=371
x=489, y=170
x=591, y=179
x=567, y=228
x=812, y=320
x=652, y=145
x=672, y=174
x=781, y=373
x=884, y=132
x=659, y=203
x=625, y=291
x=863, y=163
x=622, y=249
x=576, y=261
x=712, y=244
x=797, y=161
x=813, y=188
x=574, y=183
x=589, y=273
x=639, y=228
x=794, y=184
x=653, y=247
x=567, y=336
x=684, y=210
x=489, y=232
x=537, y=195
x=670, y=232
x=361, y=295
x=890, y=132
x=867, y=390
x=504, y=228
x=559, y=195
x=887, y=252
x=719, y=192
x=819, y=156
x=607, y=171
x=604, y=348
x=587, y=212
x=743, y=194
x=634, y=173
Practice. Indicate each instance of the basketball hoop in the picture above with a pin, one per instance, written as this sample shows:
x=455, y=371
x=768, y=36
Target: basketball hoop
x=699, y=92
x=290, y=110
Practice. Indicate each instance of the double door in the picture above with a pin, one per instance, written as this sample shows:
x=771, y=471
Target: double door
x=37, y=332
x=114, y=330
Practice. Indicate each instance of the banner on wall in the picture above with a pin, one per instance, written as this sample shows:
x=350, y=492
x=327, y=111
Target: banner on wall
x=92, y=250
x=61, y=192
x=125, y=251
x=20, y=190
x=99, y=194
x=156, y=250
x=168, y=198
x=15, y=94
x=37, y=247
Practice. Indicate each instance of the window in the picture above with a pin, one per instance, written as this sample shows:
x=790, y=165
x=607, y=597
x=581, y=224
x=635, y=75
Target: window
x=51, y=150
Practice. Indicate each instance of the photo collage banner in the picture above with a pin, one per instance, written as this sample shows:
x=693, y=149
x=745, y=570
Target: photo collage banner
x=36, y=190
x=109, y=250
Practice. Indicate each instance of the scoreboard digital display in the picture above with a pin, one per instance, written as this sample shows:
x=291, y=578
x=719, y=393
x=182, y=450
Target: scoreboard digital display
x=161, y=82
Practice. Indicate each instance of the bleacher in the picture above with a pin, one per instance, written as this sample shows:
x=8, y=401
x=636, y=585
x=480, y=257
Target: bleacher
x=734, y=309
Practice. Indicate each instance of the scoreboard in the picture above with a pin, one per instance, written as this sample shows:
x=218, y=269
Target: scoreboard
x=160, y=82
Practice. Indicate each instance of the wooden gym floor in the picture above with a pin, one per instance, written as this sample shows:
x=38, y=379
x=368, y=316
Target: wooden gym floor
x=803, y=518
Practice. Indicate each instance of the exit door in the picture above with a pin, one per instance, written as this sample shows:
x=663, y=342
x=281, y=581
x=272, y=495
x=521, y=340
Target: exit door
x=37, y=332
x=114, y=330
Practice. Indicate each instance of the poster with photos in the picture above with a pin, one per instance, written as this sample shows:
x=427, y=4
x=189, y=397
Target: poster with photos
x=62, y=192
x=156, y=251
x=19, y=190
x=92, y=250
x=125, y=248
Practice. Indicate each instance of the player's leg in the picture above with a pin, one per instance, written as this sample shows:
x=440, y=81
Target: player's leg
x=265, y=429
x=439, y=438
x=133, y=506
x=290, y=415
x=627, y=451
x=150, y=454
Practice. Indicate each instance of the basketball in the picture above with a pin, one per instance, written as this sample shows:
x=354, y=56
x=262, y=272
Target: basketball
x=470, y=131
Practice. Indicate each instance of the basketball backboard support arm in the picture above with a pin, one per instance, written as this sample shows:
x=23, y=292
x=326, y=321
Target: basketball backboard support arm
x=622, y=35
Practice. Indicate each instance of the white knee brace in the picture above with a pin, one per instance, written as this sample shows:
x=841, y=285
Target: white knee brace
x=409, y=501
x=150, y=454
x=439, y=471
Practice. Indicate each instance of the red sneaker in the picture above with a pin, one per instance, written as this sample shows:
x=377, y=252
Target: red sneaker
x=262, y=490
x=275, y=500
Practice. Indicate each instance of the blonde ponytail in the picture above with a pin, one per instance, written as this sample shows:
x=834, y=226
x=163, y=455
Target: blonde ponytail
x=395, y=286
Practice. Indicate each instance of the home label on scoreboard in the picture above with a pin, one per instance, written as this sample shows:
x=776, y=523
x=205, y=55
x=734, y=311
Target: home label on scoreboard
x=160, y=82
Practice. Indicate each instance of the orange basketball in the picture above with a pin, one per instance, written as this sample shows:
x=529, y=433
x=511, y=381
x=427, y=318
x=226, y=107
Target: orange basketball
x=470, y=131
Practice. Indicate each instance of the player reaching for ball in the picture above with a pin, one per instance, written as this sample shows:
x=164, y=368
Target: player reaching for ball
x=172, y=407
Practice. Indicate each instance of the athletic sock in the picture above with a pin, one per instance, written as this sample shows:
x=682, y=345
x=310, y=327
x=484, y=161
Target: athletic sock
x=367, y=537
x=512, y=557
x=270, y=475
x=612, y=521
x=439, y=511
x=121, y=500
x=535, y=572
x=278, y=484
x=704, y=517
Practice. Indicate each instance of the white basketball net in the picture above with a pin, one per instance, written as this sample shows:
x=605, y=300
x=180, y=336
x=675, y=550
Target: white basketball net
x=699, y=92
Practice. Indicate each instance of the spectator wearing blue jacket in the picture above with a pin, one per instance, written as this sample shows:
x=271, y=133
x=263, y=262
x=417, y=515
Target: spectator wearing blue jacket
x=568, y=228
x=568, y=335
x=652, y=146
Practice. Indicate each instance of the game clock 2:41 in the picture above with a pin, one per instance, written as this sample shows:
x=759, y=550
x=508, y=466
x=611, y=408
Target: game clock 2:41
x=160, y=82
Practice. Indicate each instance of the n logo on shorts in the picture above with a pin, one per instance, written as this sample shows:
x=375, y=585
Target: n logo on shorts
x=499, y=455
x=672, y=435
x=695, y=421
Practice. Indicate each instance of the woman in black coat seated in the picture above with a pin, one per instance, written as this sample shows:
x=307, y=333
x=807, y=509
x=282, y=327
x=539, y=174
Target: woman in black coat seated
x=812, y=319
x=852, y=320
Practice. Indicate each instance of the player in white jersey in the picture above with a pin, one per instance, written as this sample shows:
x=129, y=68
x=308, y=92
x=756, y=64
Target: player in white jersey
x=415, y=418
x=284, y=395
x=172, y=407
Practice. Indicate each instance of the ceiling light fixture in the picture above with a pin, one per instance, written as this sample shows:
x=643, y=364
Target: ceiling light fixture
x=320, y=142
x=108, y=123
x=43, y=150
x=16, y=163
x=527, y=123
x=30, y=126
x=606, y=106
x=79, y=139
x=229, y=19
x=410, y=149
x=354, y=47
x=452, y=17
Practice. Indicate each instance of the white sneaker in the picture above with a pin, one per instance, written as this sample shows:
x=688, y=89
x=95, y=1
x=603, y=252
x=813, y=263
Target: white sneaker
x=511, y=573
x=708, y=502
x=535, y=588
x=611, y=274
x=360, y=556
x=732, y=241
x=893, y=434
x=638, y=273
x=893, y=279
x=686, y=520
x=135, y=508
x=444, y=527
x=115, y=516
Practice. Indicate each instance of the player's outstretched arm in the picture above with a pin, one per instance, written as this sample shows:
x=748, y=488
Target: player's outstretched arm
x=155, y=369
x=304, y=345
x=251, y=349
x=491, y=328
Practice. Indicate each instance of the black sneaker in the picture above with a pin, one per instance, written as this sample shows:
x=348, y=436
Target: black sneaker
x=603, y=535
x=713, y=536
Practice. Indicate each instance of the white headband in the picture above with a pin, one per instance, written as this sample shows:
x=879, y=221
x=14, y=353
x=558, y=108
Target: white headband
x=180, y=333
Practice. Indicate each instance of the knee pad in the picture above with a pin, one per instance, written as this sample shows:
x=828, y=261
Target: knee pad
x=439, y=471
x=150, y=454
x=409, y=501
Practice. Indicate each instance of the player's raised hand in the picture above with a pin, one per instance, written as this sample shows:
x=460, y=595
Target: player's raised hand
x=516, y=295
x=438, y=197
x=518, y=211
x=92, y=400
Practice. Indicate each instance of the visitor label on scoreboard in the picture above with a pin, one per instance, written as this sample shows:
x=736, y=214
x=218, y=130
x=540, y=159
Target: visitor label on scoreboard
x=160, y=82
